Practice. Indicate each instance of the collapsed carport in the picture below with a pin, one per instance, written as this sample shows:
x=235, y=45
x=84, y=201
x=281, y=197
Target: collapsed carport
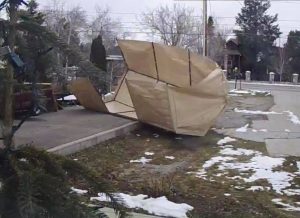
x=164, y=86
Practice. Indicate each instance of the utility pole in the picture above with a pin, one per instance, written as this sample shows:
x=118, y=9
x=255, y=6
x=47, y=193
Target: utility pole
x=205, y=48
x=204, y=14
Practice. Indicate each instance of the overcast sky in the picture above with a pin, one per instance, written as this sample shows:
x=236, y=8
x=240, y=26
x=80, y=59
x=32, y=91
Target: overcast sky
x=128, y=10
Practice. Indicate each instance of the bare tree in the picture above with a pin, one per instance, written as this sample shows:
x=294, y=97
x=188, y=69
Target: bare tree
x=67, y=24
x=282, y=58
x=176, y=26
x=103, y=24
x=279, y=60
x=75, y=20
x=216, y=40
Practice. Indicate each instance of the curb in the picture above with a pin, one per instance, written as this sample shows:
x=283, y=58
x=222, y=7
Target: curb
x=83, y=143
x=267, y=84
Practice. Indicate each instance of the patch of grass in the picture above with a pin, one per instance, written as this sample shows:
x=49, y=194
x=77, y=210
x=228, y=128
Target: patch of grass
x=163, y=177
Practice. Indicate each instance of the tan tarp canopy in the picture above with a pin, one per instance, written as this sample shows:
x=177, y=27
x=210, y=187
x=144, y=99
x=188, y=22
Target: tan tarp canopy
x=164, y=86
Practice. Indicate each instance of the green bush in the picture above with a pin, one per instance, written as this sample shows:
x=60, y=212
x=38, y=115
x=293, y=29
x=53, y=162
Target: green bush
x=37, y=184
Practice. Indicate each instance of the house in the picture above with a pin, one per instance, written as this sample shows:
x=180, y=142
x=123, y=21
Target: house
x=232, y=57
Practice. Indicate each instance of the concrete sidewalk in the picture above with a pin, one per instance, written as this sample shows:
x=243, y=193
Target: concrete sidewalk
x=71, y=130
x=282, y=136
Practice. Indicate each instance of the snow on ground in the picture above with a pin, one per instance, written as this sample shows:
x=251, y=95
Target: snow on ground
x=287, y=207
x=160, y=206
x=149, y=153
x=243, y=128
x=226, y=140
x=258, y=188
x=293, y=117
x=262, y=167
x=235, y=95
x=298, y=166
x=142, y=160
x=236, y=91
x=215, y=160
x=78, y=191
x=238, y=152
x=255, y=112
x=248, y=92
x=291, y=192
x=170, y=157
x=250, y=166
x=155, y=135
x=109, y=96
x=68, y=98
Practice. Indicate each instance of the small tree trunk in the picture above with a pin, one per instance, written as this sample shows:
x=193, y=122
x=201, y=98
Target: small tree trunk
x=9, y=79
x=67, y=58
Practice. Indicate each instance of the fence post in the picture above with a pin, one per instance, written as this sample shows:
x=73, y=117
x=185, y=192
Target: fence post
x=225, y=73
x=271, y=77
x=295, y=78
x=248, y=76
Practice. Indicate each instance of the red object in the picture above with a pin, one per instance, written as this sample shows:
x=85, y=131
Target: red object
x=24, y=102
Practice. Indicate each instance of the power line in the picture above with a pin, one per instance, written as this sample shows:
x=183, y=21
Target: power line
x=141, y=14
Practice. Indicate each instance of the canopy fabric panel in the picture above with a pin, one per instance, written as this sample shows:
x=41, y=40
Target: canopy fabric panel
x=139, y=57
x=87, y=95
x=194, y=112
x=172, y=65
x=167, y=87
x=151, y=101
x=122, y=94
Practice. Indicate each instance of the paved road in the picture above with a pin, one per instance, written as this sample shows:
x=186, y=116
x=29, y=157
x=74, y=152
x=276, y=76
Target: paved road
x=283, y=136
x=53, y=129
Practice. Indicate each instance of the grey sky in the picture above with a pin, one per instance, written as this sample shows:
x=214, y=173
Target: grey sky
x=288, y=12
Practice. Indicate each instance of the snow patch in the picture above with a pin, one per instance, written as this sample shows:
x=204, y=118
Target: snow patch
x=109, y=96
x=149, y=153
x=249, y=92
x=178, y=138
x=285, y=206
x=68, y=98
x=262, y=168
x=160, y=206
x=236, y=91
x=155, y=135
x=238, y=152
x=243, y=128
x=23, y=160
x=256, y=168
x=293, y=117
x=226, y=140
x=235, y=95
x=215, y=160
x=78, y=191
x=258, y=188
x=291, y=192
x=142, y=160
x=255, y=112
x=298, y=166
x=170, y=157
